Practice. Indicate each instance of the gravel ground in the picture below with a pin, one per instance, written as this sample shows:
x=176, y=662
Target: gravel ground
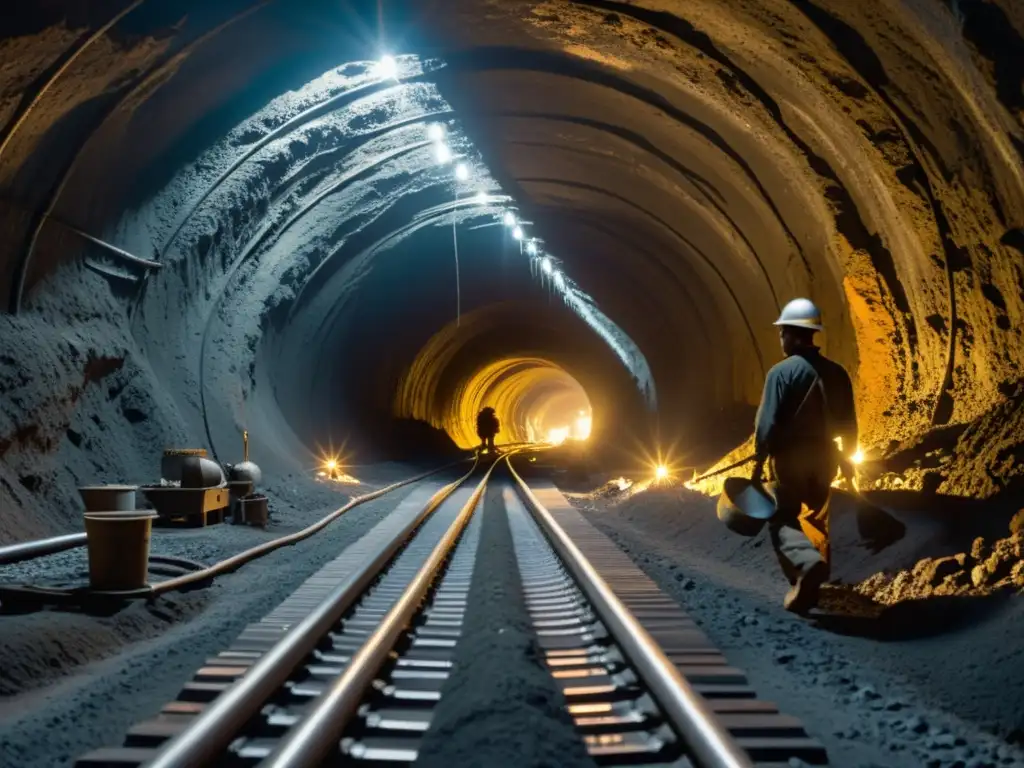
x=50, y=726
x=501, y=700
x=944, y=679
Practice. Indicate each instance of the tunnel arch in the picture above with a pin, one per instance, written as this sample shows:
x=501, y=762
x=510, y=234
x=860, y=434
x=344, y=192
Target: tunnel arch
x=692, y=166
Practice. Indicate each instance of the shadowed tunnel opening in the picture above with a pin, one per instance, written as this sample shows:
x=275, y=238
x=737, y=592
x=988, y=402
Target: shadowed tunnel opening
x=549, y=208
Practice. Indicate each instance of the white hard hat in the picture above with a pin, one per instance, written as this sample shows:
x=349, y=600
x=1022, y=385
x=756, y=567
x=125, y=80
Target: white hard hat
x=801, y=313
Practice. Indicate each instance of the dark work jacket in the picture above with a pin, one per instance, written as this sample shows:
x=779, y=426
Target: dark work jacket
x=780, y=430
x=486, y=424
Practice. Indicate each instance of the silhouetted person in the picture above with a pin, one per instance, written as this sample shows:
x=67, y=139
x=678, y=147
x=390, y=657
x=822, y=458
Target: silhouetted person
x=807, y=402
x=487, y=427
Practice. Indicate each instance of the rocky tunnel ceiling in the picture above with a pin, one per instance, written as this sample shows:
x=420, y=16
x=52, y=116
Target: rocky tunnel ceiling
x=287, y=232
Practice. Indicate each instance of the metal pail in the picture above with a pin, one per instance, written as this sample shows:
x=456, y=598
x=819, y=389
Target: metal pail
x=744, y=506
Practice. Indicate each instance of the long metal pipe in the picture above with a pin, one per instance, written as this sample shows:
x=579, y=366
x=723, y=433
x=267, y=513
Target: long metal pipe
x=313, y=739
x=706, y=740
x=203, y=742
x=27, y=550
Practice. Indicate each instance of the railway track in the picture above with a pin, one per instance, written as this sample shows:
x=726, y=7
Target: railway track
x=348, y=670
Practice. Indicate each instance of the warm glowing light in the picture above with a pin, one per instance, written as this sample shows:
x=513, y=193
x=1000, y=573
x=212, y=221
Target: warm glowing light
x=444, y=154
x=545, y=264
x=331, y=464
x=558, y=435
x=517, y=233
x=661, y=472
x=435, y=132
x=461, y=171
x=387, y=68
x=531, y=248
x=509, y=219
x=858, y=457
x=583, y=426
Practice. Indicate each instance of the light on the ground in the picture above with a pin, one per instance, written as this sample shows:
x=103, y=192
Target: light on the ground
x=387, y=68
x=461, y=171
x=509, y=219
x=558, y=435
x=660, y=472
x=545, y=264
x=435, y=132
x=517, y=233
x=531, y=248
x=443, y=154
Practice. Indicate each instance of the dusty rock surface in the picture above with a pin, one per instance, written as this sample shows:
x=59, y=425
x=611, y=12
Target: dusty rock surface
x=930, y=681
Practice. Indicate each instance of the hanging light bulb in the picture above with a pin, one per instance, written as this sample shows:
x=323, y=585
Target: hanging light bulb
x=517, y=233
x=387, y=68
x=435, y=132
x=444, y=154
x=531, y=248
x=545, y=264
x=510, y=219
x=461, y=171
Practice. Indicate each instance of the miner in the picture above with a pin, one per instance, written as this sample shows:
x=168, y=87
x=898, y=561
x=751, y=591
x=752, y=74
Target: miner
x=487, y=427
x=806, y=405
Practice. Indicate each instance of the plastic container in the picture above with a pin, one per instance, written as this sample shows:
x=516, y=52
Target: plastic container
x=744, y=506
x=118, y=545
x=108, y=498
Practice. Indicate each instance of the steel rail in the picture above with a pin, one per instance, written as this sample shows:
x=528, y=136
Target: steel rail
x=204, y=740
x=319, y=732
x=707, y=741
x=29, y=550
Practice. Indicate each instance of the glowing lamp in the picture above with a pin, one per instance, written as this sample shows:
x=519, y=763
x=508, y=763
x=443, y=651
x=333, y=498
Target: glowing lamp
x=435, y=132
x=661, y=472
x=517, y=233
x=545, y=264
x=559, y=280
x=509, y=219
x=858, y=457
x=330, y=465
x=531, y=249
x=387, y=68
x=443, y=153
x=482, y=198
x=461, y=171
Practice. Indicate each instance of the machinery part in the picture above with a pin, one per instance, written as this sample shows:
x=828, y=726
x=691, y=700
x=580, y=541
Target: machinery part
x=29, y=550
x=173, y=458
x=197, y=472
x=800, y=313
x=246, y=471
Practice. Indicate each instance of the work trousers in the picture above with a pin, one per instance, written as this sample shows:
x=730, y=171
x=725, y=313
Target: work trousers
x=799, y=529
x=487, y=443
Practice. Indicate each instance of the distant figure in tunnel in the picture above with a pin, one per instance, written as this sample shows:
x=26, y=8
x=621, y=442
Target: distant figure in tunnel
x=807, y=403
x=487, y=427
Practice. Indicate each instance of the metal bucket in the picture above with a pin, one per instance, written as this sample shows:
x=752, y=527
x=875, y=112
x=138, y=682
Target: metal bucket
x=745, y=506
x=108, y=498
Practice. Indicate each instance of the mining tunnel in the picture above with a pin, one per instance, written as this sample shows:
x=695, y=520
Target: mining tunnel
x=315, y=230
x=354, y=224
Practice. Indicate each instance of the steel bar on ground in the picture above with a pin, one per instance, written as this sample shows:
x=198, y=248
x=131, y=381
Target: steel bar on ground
x=320, y=731
x=15, y=553
x=206, y=738
x=709, y=743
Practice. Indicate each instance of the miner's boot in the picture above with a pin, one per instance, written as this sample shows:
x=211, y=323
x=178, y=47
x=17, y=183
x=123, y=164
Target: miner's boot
x=804, y=594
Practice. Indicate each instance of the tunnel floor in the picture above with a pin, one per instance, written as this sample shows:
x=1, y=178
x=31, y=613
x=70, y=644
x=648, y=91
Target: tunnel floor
x=934, y=684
